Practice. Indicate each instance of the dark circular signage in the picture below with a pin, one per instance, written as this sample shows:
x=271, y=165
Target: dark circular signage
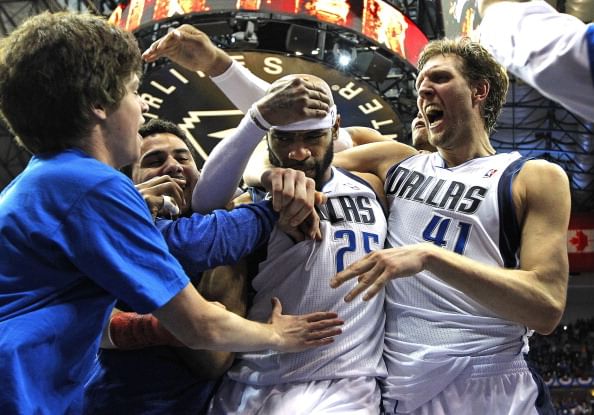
x=194, y=102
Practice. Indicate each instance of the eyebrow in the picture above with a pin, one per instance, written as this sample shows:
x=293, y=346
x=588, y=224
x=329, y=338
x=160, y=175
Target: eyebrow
x=159, y=152
x=423, y=74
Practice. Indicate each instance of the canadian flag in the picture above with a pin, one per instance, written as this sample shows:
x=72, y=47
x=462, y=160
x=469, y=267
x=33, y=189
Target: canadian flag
x=580, y=242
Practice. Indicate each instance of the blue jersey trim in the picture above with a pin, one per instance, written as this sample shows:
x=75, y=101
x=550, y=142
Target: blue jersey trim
x=590, y=41
x=391, y=169
x=509, y=229
x=543, y=403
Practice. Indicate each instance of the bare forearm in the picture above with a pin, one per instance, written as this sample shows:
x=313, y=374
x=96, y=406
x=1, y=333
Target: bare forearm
x=533, y=298
x=200, y=324
x=375, y=158
x=211, y=327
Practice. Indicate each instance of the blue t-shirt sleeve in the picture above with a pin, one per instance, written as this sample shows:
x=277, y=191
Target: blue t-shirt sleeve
x=115, y=243
x=201, y=242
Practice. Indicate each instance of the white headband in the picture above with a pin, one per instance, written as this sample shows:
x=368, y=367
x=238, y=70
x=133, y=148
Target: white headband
x=311, y=123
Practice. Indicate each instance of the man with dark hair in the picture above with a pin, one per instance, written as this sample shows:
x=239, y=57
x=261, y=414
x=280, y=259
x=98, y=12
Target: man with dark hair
x=77, y=235
x=477, y=250
x=155, y=174
x=340, y=378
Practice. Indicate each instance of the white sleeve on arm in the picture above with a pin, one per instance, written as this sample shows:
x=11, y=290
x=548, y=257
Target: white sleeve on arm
x=241, y=86
x=224, y=167
x=546, y=49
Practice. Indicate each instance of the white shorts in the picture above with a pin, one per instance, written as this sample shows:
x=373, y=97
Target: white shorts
x=349, y=396
x=489, y=387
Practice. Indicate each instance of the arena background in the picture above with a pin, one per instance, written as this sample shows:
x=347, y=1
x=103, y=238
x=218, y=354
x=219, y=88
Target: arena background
x=367, y=52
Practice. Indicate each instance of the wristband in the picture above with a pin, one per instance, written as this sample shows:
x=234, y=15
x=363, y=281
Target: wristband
x=129, y=331
x=258, y=119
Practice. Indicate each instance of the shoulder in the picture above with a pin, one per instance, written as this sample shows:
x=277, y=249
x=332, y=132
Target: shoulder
x=540, y=185
x=74, y=169
x=370, y=181
x=541, y=172
x=70, y=177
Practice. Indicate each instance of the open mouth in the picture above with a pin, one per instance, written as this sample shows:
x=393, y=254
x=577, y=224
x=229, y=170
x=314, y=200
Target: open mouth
x=434, y=116
x=419, y=124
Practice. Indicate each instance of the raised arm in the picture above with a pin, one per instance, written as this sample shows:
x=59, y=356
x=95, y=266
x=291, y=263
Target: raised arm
x=550, y=51
x=533, y=295
x=191, y=48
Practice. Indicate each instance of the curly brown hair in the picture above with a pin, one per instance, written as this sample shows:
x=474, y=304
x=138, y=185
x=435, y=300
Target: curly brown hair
x=54, y=69
x=478, y=64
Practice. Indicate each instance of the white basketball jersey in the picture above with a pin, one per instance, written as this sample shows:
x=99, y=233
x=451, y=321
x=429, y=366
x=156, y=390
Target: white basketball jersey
x=434, y=329
x=353, y=223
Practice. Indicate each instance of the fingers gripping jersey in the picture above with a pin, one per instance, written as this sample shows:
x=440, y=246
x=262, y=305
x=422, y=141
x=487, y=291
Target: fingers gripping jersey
x=353, y=223
x=433, y=329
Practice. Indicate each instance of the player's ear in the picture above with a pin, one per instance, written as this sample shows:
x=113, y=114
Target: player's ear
x=480, y=90
x=99, y=111
x=336, y=127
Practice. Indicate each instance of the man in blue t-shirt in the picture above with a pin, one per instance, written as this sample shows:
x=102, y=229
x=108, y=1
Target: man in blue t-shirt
x=76, y=233
x=164, y=379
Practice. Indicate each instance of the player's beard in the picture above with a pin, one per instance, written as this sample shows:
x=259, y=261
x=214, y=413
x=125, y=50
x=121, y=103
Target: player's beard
x=319, y=167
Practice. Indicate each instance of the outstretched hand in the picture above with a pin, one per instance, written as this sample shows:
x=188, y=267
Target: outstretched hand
x=293, y=101
x=190, y=48
x=376, y=269
x=297, y=333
